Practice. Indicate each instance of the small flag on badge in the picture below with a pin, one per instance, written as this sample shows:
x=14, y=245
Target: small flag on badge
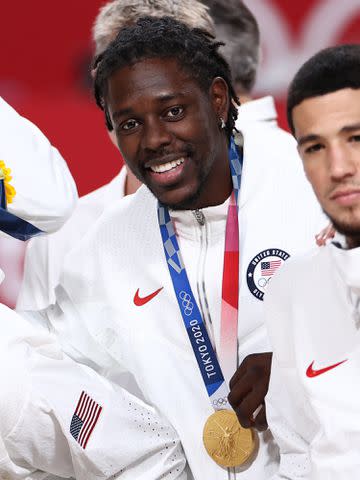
x=269, y=268
x=84, y=419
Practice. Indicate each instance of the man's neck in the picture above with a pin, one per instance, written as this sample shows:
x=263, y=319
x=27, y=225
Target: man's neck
x=203, y=202
x=215, y=191
x=353, y=242
x=131, y=183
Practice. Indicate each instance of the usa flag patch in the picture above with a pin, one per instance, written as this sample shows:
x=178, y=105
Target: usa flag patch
x=261, y=269
x=85, y=418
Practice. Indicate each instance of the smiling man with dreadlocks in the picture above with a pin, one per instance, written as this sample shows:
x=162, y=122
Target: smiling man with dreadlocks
x=157, y=285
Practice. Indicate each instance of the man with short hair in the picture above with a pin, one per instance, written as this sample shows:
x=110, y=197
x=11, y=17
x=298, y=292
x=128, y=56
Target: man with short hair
x=313, y=303
x=169, y=254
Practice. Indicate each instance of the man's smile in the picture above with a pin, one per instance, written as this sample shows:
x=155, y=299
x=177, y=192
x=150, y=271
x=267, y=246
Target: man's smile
x=168, y=173
x=165, y=167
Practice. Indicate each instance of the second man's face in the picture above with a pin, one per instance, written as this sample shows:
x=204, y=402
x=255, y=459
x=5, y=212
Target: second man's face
x=327, y=129
x=166, y=129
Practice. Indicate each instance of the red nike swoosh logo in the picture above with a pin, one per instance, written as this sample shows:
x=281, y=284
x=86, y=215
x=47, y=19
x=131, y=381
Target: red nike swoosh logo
x=311, y=373
x=140, y=301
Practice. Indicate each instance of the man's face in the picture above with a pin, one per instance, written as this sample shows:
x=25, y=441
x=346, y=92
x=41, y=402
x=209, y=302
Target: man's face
x=327, y=129
x=168, y=132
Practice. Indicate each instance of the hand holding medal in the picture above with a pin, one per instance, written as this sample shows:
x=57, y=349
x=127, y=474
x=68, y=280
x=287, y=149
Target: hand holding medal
x=248, y=388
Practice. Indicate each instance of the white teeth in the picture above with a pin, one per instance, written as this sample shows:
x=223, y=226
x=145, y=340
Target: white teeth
x=167, y=166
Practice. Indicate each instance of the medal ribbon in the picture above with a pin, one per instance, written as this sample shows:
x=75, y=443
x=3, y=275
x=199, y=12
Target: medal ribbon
x=205, y=355
x=230, y=294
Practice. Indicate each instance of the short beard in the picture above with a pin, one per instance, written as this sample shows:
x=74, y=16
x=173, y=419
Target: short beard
x=350, y=232
x=188, y=203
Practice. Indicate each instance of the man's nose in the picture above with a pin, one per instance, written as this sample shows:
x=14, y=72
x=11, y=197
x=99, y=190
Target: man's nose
x=155, y=135
x=342, y=163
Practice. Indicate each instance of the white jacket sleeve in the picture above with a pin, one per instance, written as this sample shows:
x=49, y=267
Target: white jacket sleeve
x=287, y=407
x=45, y=190
x=61, y=418
x=284, y=413
x=40, y=272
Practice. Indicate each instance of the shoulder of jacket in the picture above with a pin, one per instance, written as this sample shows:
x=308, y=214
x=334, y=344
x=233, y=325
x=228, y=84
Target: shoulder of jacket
x=294, y=274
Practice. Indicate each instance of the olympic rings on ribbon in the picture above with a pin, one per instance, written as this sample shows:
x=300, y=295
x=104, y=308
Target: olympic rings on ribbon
x=220, y=402
x=188, y=306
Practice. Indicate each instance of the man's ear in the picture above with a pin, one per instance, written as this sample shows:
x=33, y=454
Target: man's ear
x=219, y=94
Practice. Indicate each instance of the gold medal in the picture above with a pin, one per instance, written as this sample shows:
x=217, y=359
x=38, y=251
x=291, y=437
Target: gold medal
x=226, y=441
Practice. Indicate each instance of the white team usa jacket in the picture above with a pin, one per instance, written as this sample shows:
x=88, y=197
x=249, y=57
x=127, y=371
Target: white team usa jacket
x=117, y=307
x=60, y=418
x=312, y=315
x=43, y=191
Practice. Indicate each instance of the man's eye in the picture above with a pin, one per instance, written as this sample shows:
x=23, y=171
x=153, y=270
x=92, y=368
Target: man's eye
x=355, y=138
x=129, y=125
x=313, y=148
x=175, y=112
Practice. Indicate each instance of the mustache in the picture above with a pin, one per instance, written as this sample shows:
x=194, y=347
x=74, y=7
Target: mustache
x=164, y=152
x=342, y=185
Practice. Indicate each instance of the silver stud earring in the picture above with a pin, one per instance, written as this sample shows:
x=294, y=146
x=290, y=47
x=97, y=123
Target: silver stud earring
x=222, y=124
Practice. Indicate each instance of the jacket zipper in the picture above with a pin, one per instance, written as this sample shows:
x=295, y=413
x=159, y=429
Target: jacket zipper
x=200, y=277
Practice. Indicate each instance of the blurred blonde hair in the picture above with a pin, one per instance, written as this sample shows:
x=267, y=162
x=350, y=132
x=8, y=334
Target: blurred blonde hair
x=118, y=13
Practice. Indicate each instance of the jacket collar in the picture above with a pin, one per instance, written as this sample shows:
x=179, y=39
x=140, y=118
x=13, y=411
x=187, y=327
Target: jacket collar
x=260, y=110
x=187, y=226
x=347, y=262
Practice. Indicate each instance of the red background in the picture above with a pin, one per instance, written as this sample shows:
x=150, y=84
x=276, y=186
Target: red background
x=46, y=47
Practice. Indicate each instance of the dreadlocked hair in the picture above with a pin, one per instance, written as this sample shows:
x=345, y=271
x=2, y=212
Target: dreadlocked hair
x=195, y=50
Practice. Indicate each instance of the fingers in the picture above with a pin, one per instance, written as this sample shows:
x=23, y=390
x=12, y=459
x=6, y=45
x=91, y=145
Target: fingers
x=246, y=408
x=324, y=235
x=248, y=388
x=240, y=391
x=240, y=372
x=250, y=363
x=259, y=420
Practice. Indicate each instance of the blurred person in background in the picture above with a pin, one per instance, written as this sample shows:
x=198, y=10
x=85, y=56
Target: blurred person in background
x=45, y=257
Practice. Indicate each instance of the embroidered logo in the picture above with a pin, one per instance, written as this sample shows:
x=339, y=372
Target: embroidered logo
x=85, y=418
x=261, y=269
x=311, y=372
x=140, y=301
